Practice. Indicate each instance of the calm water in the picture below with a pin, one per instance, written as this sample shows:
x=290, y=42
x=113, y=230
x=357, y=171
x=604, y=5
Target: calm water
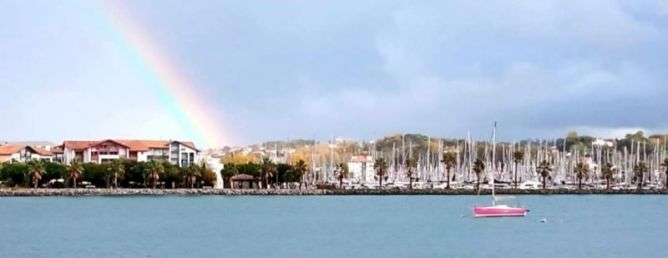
x=330, y=226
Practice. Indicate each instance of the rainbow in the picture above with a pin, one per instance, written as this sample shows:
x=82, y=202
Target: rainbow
x=177, y=93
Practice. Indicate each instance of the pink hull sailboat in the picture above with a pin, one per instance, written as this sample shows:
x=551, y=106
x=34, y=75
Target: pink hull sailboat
x=500, y=210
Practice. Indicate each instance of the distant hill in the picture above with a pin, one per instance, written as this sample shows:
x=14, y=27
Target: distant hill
x=32, y=143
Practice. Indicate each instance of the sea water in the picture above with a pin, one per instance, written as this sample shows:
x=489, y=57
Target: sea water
x=331, y=226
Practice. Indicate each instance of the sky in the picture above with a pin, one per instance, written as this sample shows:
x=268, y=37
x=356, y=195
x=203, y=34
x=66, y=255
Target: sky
x=277, y=70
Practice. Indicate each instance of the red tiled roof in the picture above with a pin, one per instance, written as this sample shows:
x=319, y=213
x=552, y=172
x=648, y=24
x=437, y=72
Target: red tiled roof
x=57, y=149
x=188, y=144
x=145, y=145
x=133, y=145
x=10, y=149
x=77, y=145
x=41, y=151
x=108, y=140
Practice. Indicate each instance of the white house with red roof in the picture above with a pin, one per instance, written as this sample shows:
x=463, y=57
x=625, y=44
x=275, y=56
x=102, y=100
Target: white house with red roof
x=361, y=168
x=23, y=153
x=180, y=153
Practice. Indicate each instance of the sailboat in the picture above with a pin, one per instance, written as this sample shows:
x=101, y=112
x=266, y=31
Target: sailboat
x=498, y=210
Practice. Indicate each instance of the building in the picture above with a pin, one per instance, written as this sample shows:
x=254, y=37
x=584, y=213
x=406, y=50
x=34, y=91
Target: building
x=180, y=153
x=10, y=153
x=361, y=168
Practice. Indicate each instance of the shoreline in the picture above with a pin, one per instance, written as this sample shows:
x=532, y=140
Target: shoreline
x=28, y=192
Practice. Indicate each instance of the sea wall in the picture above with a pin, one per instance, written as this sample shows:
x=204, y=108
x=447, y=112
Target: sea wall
x=288, y=192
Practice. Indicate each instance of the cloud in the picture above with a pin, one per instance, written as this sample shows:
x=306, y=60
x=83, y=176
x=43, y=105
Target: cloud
x=534, y=65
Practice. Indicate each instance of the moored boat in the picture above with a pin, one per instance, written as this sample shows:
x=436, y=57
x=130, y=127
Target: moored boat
x=500, y=210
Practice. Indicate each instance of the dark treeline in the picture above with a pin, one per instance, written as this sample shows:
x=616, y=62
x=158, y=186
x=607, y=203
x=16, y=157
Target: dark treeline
x=121, y=173
x=264, y=173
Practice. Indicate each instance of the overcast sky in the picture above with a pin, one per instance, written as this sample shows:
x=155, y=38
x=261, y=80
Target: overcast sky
x=355, y=69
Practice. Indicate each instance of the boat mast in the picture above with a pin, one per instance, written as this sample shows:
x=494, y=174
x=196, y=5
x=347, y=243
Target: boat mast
x=493, y=163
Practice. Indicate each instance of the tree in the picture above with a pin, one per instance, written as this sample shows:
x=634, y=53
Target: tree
x=607, y=174
x=449, y=160
x=478, y=168
x=380, y=165
x=35, y=171
x=640, y=169
x=173, y=175
x=153, y=170
x=518, y=156
x=665, y=164
x=15, y=174
x=74, y=172
x=268, y=170
x=54, y=171
x=581, y=171
x=544, y=170
x=117, y=170
x=301, y=168
x=341, y=172
x=411, y=163
x=190, y=174
x=228, y=171
x=208, y=176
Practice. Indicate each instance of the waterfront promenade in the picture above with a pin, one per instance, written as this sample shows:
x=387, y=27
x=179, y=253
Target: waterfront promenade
x=7, y=192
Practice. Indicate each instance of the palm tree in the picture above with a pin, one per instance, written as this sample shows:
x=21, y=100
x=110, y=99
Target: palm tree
x=153, y=170
x=341, y=172
x=35, y=171
x=74, y=171
x=301, y=168
x=478, y=168
x=640, y=171
x=117, y=169
x=268, y=170
x=518, y=156
x=581, y=171
x=449, y=160
x=544, y=170
x=380, y=165
x=411, y=163
x=665, y=164
x=191, y=173
x=606, y=172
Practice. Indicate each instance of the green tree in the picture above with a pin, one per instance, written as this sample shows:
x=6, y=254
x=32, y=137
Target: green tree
x=581, y=172
x=74, y=171
x=380, y=165
x=96, y=174
x=478, y=168
x=607, y=174
x=134, y=173
x=228, y=171
x=190, y=174
x=341, y=172
x=544, y=169
x=208, y=176
x=268, y=171
x=153, y=170
x=411, y=164
x=639, y=170
x=14, y=173
x=173, y=176
x=301, y=168
x=117, y=170
x=449, y=160
x=36, y=171
x=518, y=156
x=54, y=171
